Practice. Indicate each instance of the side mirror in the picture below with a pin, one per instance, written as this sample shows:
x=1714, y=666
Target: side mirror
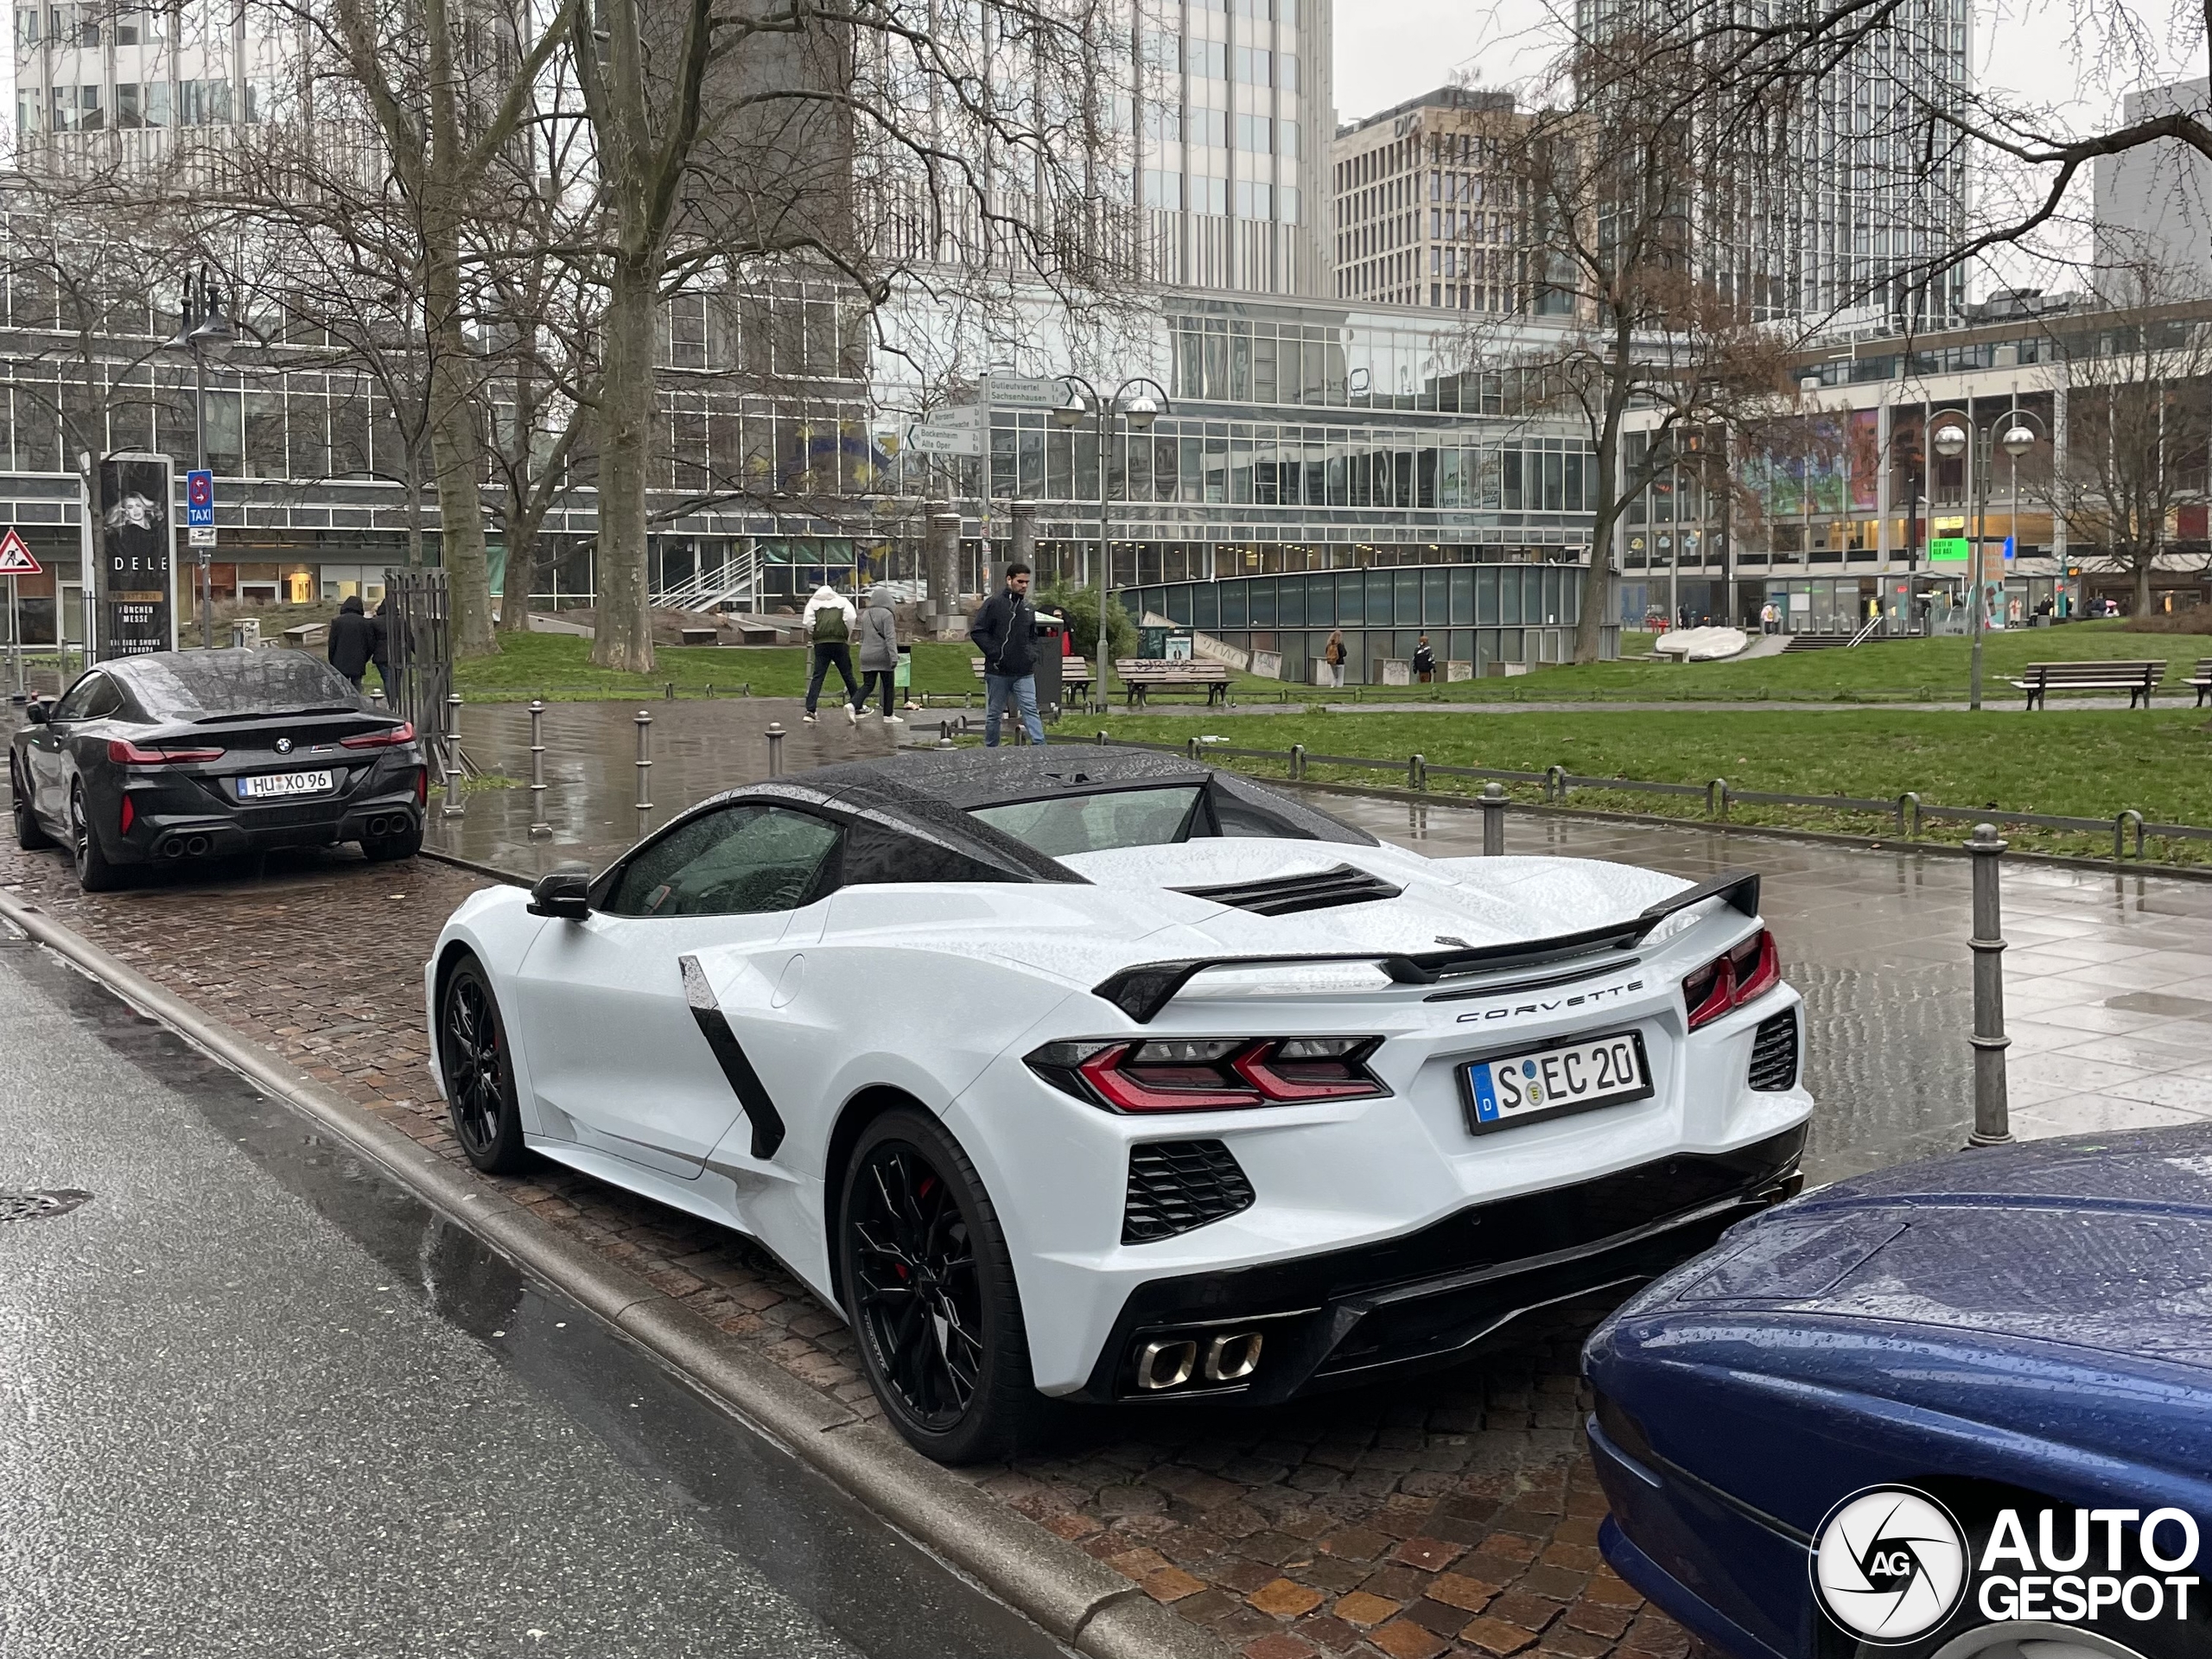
x=38, y=713
x=561, y=892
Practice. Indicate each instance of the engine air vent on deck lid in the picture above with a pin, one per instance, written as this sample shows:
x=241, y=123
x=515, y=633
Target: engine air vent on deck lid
x=1286, y=895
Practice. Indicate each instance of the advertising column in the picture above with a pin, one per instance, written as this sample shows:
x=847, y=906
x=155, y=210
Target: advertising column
x=136, y=556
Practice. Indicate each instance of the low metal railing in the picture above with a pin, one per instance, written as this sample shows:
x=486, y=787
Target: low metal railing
x=1909, y=812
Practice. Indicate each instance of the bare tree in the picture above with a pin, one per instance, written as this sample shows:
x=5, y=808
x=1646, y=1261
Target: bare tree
x=1615, y=186
x=444, y=91
x=2138, y=443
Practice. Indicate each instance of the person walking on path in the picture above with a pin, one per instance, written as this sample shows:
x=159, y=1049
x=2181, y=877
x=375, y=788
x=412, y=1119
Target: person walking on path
x=1005, y=631
x=878, y=651
x=828, y=623
x=1333, y=654
x=1769, y=619
x=352, y=641
x=1424, y=661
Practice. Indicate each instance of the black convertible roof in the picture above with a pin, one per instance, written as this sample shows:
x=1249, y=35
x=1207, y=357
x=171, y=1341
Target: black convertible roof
x=932, y=793
x=969, y=779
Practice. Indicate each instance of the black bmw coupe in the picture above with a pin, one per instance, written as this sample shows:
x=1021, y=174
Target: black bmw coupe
x=179, y=755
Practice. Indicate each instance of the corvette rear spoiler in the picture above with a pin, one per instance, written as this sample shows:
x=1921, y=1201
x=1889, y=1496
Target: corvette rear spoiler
x=1142, y=991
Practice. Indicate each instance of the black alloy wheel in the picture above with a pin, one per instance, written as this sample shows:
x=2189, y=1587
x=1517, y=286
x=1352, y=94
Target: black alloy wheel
x=480, y=1081
x=929, y=1288
x=94, y=872
x=30, y=833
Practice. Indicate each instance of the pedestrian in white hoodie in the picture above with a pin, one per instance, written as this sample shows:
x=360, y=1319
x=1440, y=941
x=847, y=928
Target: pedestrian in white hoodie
x=828, y=623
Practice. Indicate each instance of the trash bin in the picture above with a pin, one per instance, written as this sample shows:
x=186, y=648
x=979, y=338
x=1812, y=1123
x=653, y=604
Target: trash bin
x=245, y=633
x=902, y=677
x=1049, y=631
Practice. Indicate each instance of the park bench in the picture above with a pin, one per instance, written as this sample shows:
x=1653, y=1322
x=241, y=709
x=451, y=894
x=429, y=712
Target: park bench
x=2202, y=679
x=2137, y=679
x=1141, y=677
x=1074, y=670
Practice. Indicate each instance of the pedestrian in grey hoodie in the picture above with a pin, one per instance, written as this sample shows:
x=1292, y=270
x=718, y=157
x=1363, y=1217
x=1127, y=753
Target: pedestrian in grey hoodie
x=879, y=638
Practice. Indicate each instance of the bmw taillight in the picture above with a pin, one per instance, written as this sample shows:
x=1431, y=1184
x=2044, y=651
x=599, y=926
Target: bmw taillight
x=1209, y=1074
x=124, y=752
x=403, y=733
x=1740, y=974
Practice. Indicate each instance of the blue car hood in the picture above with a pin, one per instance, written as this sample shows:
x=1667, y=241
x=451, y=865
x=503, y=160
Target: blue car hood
x=2039, y=1314
x=2099, y=1242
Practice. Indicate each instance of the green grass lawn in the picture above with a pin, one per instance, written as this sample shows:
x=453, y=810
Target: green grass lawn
x=1894, y=670
x=558, y=667
x=2085, y=763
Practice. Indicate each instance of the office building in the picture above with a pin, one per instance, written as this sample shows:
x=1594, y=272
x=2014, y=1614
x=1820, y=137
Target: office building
x=2153, y=206
x=1426, y=208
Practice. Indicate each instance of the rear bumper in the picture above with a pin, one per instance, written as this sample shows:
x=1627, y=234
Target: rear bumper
x=1346, y=1317
x=159, y=837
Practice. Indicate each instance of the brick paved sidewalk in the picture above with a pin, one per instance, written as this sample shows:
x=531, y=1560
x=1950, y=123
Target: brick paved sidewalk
x=1454, y=1514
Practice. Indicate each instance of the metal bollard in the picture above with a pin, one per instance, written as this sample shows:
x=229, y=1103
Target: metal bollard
x=453, y=808
x=539, y=829
x=775, y=748
x=1555, y=784
x=1908, y=814
x=1993, y=1124
x=2120, y=834
x=645, y=762
x=1298, y=762
x=944, y=736
x=1417, y=772
x=671, y=692
x=1494, y=804
x=1716, y=799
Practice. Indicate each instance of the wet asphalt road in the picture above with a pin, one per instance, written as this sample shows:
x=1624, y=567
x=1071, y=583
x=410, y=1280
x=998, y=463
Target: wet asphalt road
x=255, y=1399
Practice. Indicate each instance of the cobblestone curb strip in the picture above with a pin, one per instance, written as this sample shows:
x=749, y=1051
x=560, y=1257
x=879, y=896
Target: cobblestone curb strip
x=1076, y=1597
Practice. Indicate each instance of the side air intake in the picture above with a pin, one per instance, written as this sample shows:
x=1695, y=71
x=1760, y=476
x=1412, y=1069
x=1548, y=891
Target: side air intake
x=1287, y=895
x=1175, y=1185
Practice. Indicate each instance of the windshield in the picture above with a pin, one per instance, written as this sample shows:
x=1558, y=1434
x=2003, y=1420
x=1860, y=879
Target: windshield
x=213, y=684
x=1098, y=823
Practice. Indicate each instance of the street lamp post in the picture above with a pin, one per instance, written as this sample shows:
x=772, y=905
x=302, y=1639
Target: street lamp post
x=203, y=329
x=1137, y=403
x=1955, y=437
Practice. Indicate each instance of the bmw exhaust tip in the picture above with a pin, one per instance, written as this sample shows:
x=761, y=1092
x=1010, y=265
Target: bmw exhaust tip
x=197, y=846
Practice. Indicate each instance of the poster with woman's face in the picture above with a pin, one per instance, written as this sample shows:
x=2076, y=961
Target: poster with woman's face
x=136, y=549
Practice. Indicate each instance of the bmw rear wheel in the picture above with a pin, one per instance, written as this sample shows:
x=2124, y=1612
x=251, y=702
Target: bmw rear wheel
x=480, y=1078
x=30, y=833
x=929, y=1290
x=94, y=872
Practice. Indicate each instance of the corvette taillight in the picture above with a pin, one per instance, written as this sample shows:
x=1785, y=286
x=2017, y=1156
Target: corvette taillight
x=403, y=733
x=124, y=752
x=1209, y=1074
x=1745, y=971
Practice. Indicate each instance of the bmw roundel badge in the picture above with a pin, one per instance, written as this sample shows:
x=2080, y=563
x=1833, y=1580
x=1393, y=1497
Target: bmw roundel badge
x=284, y=746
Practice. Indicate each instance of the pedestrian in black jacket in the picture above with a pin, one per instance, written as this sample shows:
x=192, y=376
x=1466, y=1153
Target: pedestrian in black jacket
x=352, y=641
x=1005, y=631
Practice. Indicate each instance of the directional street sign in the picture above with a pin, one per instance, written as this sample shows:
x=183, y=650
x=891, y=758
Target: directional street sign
x=931, y=439
x=1016, y=392
x=16, y=559
x=1947, y=550
x=199, y=501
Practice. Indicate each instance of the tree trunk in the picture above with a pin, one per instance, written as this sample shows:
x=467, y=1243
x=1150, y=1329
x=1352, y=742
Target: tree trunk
x=2143, y=583
x=522, y=570
x=457, y=455
x=1596, y=579
x=623, y=637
